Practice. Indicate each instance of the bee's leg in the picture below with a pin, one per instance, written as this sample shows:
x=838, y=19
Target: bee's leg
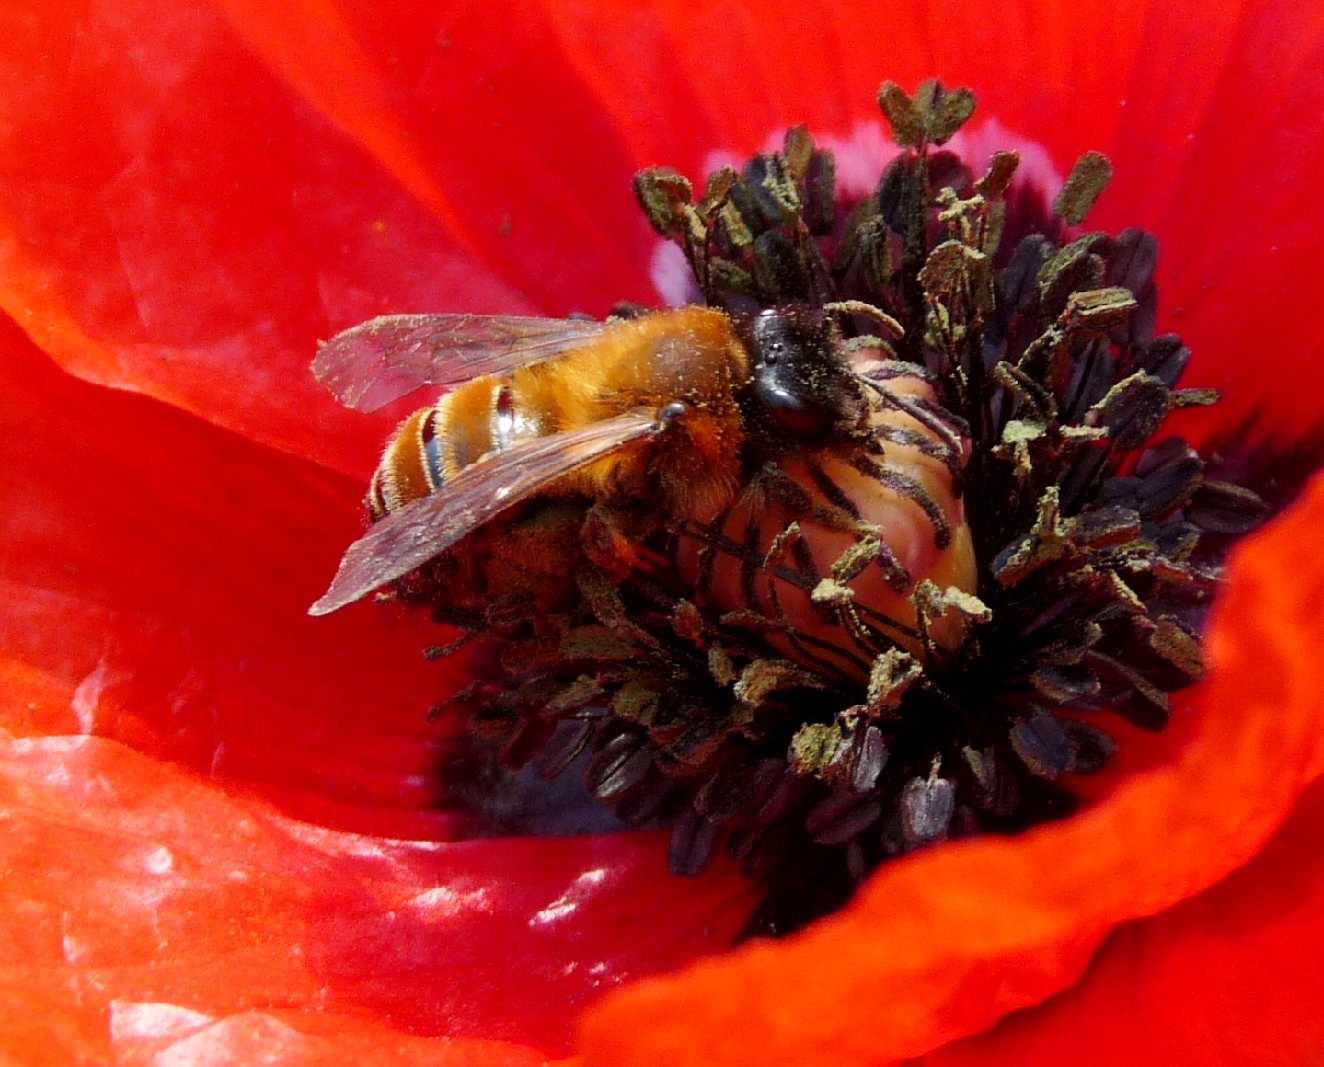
x=708, y=553
x=611, y=540
x=861, y=623
x=840, y=610
x=941, y=425
x=791, y=542
x=798, y=573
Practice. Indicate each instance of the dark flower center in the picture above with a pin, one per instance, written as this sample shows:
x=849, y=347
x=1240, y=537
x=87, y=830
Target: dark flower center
x=1095, y=543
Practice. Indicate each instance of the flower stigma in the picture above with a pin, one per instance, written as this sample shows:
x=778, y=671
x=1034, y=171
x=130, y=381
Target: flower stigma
x=950, y=548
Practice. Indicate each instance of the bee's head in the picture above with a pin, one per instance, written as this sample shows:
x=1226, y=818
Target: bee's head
x=799, y=386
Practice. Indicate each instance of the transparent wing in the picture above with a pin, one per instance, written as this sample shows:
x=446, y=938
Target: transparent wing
x=425, y=528
x=383, y=359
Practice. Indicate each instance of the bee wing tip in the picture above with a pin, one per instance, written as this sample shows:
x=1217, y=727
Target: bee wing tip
x=339, y=594
x=325, y=604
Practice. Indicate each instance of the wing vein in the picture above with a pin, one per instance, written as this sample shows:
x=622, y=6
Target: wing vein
x=383, y=359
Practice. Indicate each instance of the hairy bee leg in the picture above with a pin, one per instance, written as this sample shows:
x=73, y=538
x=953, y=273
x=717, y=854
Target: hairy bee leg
x=897, y=576
x=830, y=489
x=723, y=544
x=840, y=514
x=750, y=566
x=780, y=485
x=708, y=553
x=839, y=519
x=790, y=493
x=750, y=569
x=718, y=542
x=714, y=540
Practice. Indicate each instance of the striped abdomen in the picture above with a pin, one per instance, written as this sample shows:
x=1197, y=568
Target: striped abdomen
x=435, y=443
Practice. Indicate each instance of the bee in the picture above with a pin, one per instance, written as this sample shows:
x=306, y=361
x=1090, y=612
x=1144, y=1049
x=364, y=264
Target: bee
x=766, y=446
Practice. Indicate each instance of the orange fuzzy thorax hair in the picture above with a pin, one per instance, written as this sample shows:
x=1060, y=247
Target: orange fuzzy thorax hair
x=690, y=355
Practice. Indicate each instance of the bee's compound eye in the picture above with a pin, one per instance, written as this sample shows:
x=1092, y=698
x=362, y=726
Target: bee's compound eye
x=669, y=414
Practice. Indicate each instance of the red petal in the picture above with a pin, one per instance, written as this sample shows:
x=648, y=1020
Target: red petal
x=943, y=944
x=1216, y=155
x=146, y=911
x=217, y=225
x=214, y=215
x=1230, y=976
x=155, y=578
x=210, y=230
x=157, y=573
x=480, y=113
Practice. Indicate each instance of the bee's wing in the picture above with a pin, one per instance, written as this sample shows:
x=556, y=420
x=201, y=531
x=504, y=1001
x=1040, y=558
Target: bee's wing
x=409, y=537
x=383, y=359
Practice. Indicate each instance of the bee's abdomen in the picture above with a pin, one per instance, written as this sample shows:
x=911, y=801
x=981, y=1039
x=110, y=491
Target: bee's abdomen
x=435, y=443
x=410, y=467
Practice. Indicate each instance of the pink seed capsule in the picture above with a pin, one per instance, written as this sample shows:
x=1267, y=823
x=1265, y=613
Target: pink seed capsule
x=830, y=546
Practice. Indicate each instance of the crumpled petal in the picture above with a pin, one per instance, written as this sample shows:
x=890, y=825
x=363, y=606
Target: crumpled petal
x=945, y=943
x=1230, y=976
x=264, y=175
x=156, y=573
x=148, y=911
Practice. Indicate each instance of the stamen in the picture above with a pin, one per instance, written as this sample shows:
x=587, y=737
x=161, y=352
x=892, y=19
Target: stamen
x=742, y=681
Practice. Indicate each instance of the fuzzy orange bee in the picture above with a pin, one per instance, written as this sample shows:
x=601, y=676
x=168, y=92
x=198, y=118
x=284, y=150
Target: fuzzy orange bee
x=764, y=445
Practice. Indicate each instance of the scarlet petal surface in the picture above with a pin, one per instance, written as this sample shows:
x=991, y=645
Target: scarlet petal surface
x=190, y=196
x=211, y=230
x=946, y=942
x=147, y=918
x=156, y=572
x=1230, y=976
x=156, y=576
x=263, y=175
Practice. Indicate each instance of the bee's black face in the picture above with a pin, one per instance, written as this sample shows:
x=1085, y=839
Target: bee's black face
x=793, y=372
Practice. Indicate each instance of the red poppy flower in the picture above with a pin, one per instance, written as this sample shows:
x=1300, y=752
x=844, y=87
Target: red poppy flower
x=222, y=833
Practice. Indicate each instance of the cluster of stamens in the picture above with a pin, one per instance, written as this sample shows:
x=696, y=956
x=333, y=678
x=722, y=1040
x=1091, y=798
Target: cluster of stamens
x=1098, y=547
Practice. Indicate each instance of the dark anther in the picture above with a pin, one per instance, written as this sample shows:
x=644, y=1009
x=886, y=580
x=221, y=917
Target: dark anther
x=895, y=344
